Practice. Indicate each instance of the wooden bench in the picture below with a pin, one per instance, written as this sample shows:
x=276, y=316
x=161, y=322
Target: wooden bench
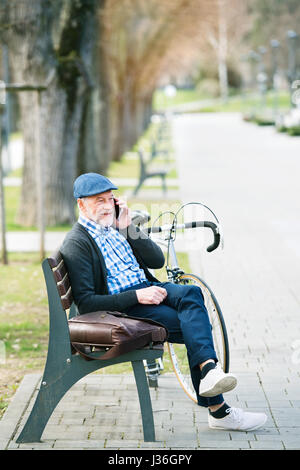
x=145, y=174
x=64, y=368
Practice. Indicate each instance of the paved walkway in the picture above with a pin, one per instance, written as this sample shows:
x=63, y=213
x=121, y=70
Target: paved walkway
x=249, y=177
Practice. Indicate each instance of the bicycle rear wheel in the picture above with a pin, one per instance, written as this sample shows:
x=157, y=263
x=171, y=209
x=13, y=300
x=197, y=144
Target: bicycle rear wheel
x=178, y=353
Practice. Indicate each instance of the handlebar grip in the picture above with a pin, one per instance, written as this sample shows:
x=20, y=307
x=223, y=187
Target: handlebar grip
x=217, y=236
x=203, y=223
x=140, y=217
x=210, y=225
x=152, y=229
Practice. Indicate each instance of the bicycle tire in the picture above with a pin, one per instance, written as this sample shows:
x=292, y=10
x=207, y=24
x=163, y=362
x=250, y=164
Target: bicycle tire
x=177, y=352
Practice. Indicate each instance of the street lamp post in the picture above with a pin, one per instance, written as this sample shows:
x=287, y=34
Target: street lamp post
x=292, y=37
x=274, y=49
x=262, y=76
x=244, y=58
x=253, y=58
x=2, y=204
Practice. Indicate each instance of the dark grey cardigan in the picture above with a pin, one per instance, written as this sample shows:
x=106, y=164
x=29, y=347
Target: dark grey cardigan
x=87, y=270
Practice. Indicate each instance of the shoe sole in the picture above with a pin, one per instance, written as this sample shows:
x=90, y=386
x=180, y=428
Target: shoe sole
x=224, y=428
x=226, y=384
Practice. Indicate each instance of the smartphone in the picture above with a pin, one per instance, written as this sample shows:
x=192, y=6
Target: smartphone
x=117, y=209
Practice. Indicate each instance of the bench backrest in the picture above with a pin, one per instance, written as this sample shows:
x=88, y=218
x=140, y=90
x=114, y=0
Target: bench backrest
x=62, y=280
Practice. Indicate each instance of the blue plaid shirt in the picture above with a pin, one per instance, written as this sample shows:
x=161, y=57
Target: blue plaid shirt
x=123, y=270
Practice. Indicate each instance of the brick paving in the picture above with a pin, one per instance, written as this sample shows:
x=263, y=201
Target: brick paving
x=249, y=177
x=102, y=412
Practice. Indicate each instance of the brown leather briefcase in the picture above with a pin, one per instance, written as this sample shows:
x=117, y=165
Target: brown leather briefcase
x=115, y=332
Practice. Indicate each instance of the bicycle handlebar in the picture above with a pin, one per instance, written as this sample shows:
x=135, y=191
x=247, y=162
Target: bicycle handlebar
x=202, y=223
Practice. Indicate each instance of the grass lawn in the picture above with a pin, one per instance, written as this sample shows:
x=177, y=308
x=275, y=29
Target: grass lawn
x=23, y=321
x=12, y=196
x=236, y=103
x=161, y=101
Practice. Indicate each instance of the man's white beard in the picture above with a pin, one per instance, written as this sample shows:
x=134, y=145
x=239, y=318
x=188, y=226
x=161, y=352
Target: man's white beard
x=104, y=223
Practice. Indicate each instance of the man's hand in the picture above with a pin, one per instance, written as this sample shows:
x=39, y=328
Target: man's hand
x=151, y=295
x=124, y=219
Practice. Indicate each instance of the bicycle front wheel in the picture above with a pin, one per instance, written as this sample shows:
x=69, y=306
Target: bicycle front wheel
x=178, y=353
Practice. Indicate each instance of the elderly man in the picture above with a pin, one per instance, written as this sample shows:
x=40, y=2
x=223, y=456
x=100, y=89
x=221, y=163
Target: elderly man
x=108, y=259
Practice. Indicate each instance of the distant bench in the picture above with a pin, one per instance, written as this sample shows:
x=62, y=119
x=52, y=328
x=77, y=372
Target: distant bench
x=145, y=174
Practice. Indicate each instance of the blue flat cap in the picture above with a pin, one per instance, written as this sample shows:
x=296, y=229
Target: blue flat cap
x=90, y=184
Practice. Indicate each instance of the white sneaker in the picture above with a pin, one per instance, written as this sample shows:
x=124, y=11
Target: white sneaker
x=238, y=420
x=216, y=382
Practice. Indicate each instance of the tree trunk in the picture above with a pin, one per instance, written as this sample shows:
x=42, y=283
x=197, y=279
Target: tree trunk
x=116, y=128
x=95, y=147
x=62, y=40
x=133, y=117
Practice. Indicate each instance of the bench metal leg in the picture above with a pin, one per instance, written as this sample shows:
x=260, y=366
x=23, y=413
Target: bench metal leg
x=53, y=387
x=49, y=396
x=145, y=400
x=47, y=399
x=138, y=187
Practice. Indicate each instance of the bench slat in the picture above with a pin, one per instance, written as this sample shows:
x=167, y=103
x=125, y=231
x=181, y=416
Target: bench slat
x=55, y=259
x=64, y=285
x=60, y=272
x=62, y=280
x=67, y=300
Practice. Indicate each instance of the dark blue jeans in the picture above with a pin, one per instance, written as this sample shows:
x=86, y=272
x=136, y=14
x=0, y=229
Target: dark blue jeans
x=184, y=314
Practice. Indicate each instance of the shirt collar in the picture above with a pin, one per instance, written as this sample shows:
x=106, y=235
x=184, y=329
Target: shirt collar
x=92, y=227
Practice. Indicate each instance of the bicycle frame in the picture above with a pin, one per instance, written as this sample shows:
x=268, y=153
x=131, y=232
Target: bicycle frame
x=173, y=270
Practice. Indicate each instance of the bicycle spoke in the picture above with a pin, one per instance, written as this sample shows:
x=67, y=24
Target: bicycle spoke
x=178, y=352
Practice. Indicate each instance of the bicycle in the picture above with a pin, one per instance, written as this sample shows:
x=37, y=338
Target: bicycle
x=175, y=274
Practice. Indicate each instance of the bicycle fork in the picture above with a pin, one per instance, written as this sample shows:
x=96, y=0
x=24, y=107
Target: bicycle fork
x=153, y=369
